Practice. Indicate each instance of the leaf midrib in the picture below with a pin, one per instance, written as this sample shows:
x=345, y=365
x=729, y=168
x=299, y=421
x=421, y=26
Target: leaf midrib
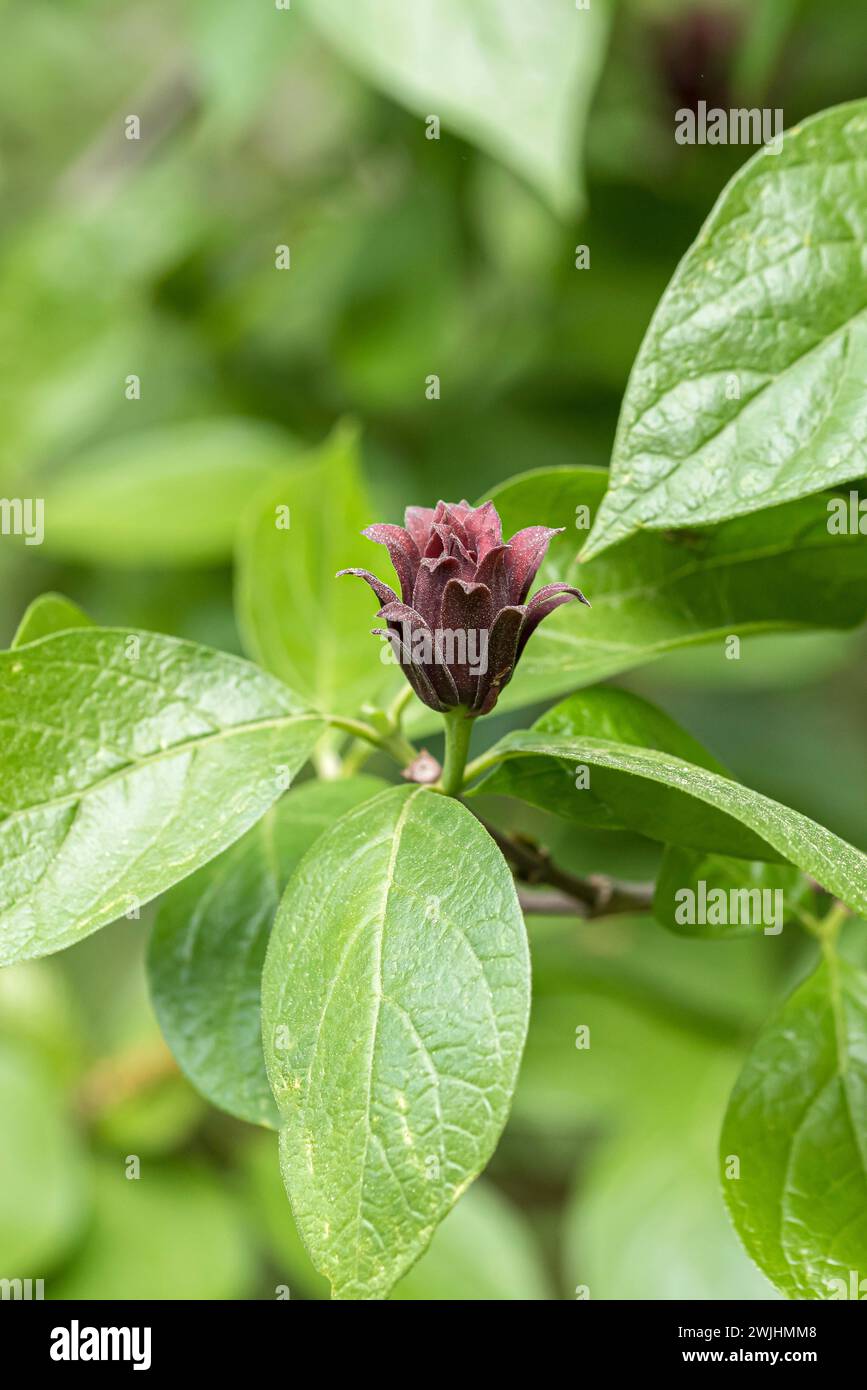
x=629, y=759
x=163, y=754
x=379, y=921
x=715, y=222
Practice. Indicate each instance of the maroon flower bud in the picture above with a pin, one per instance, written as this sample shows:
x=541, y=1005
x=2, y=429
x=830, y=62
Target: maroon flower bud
x=463, y=618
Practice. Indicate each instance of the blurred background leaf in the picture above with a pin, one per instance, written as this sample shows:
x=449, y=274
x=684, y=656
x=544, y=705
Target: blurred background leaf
x=295, y=620
x=168, y=496
x=172, y=1231
x=42, y=1172
x=647, y=1223
x=484, y=1250
x=517, y=81
x=46, y=614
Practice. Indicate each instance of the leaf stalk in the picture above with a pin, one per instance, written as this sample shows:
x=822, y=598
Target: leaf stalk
x=459, y=731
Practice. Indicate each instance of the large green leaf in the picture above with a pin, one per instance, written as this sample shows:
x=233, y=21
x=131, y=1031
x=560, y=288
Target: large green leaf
x=609, y=799
x=797, y=1126
x=208, y=947
x=170, y=495
x=296, y=618
x=130, y=759
x=47, y=614
x=665, y=591
x=748, y=389
x=395, y=1000
x=670, y=799
x=484, y=1249
x=517, y=80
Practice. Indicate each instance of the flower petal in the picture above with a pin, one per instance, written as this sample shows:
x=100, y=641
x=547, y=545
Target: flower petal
x=402, y=551
x=420, y=638
x=543, y=603
x=453, y=520
x=466, y=605
x=456, y=547
x=548, y=589
x=413, y=671
x=467, y=614
x=494, y=572
x=382, y=591
x=501, y=657
x=418, y=521
x=527, y=550
x=436, y=545
x=484, y=529
x=432, y=577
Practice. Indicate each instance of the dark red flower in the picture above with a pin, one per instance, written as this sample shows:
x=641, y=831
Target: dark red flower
x=463, y=618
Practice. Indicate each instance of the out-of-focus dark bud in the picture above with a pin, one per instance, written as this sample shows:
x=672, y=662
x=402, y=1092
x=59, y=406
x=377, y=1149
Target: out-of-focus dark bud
x=695, y=55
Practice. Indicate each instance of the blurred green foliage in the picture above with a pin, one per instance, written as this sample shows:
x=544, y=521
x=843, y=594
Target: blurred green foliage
x=408, y=257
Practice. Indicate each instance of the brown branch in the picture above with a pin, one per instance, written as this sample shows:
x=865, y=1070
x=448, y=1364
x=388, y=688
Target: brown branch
x=597, y=895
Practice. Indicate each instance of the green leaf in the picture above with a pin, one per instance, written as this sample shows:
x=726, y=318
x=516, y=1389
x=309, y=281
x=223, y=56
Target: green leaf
x=646, y=1222
x=668, y=798
x=273, y=1220
x=131, y=760
x=170, y=495
x=299, y=621
x=173, y=1233
x=748, y=389
x=654, y=1007
x=238, y=56
x=47, y=614
x=608, y=799
x=484, y=1251
x=662, y=592
x=797, y=1124
x=38, y=1006
x=208, y=947
x=515, y=80
x=395, y=1001
x=43, y=1190
x=685, y=870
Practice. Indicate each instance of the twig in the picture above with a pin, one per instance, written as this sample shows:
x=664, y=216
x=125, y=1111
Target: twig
x=597, y=895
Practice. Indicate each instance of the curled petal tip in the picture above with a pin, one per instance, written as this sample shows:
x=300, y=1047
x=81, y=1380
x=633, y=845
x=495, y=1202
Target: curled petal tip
x=383, y=592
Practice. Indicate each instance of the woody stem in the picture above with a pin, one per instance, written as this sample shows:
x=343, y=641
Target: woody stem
x=458, y=733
